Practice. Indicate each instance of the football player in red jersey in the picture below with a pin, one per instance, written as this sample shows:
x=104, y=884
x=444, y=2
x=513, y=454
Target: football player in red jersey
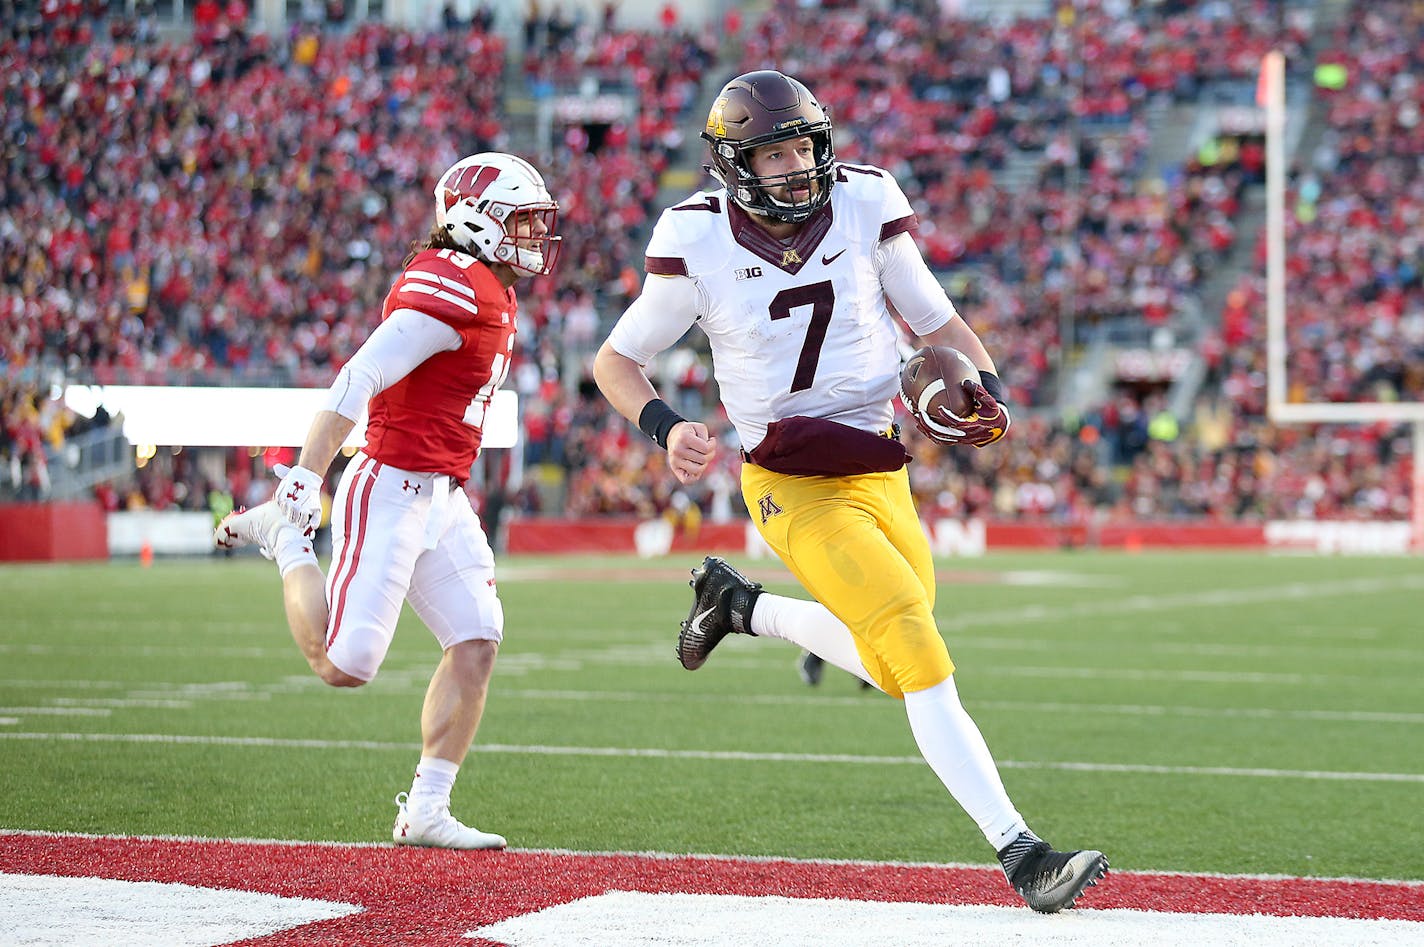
x=402, y=527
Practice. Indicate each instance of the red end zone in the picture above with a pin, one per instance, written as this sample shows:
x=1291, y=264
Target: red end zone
x=435, y=896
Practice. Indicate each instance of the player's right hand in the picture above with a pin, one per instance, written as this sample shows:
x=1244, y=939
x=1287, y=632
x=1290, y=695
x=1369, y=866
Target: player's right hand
x=299, y=496
x=690, y=451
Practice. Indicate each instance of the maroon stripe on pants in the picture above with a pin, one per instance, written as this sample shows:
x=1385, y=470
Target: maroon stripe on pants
x=351, y=551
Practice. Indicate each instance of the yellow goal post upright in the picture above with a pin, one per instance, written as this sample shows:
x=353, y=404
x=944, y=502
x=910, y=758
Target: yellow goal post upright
x=1271, y=96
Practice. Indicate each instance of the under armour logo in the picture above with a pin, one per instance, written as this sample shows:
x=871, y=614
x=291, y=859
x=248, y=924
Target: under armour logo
x=415, y=487
x=296, y=491
x=768, y=508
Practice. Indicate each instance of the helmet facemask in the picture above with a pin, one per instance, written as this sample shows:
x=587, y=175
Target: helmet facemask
x=529, y=245
x=731, y=164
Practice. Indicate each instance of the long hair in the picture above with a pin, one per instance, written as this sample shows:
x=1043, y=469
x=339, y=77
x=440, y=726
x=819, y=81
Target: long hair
x=437, y=239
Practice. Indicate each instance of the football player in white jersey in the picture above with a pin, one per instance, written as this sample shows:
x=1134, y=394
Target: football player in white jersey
x=788, y=269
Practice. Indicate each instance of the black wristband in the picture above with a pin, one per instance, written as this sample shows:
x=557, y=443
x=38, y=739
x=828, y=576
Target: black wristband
x=656, y=420
x=991, y=384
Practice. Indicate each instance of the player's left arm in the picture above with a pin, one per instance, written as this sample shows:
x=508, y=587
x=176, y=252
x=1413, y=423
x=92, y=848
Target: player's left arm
x=928, y=311
x=400, y=343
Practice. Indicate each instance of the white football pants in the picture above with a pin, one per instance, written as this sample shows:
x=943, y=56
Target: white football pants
x=397, y=536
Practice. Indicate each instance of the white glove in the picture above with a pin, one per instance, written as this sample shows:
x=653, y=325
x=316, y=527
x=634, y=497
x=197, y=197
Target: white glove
x=299, y=496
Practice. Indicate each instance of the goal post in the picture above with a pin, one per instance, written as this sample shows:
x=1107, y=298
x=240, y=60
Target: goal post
x=1271, y=95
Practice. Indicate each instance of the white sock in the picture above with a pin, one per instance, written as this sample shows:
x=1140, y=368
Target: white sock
x=952, y=745
x=293, y=550
x=434, y=778
x=810, y=625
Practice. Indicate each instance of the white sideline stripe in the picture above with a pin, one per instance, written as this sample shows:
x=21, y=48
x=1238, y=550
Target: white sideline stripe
x=642, y=919
x=679, y=856
x=52, y=911
x=722, y=755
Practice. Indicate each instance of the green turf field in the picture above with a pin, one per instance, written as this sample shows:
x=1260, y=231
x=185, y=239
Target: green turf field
x=1231, y=713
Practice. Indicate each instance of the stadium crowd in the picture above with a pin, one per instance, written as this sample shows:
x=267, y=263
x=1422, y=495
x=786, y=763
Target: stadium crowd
x=230, y=209
x=1356, y=269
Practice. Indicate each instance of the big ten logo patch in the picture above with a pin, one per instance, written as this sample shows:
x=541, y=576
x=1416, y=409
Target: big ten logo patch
x=748, y=272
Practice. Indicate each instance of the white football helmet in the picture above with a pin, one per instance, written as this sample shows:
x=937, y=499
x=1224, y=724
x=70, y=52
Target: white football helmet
x=496, y=206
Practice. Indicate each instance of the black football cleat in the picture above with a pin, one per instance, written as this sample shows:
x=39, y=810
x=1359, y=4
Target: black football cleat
x=1050, y=881
x=810, y=667
x=722, y=600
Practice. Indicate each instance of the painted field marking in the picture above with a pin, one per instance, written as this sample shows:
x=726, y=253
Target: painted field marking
x=640, y=919
x=717, y=755
x=694, y=900
x=44, y=910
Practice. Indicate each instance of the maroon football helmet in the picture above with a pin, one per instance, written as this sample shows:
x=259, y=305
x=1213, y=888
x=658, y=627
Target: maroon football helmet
x=760, y=108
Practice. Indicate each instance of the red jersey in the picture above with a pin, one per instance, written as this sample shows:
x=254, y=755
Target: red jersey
x=431, y=420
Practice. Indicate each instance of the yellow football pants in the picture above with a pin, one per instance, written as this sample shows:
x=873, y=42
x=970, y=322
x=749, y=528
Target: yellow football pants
x=857, y=546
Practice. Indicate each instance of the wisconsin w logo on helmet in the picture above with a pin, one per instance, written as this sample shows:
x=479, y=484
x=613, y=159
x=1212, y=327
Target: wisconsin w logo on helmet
x=763, y=108
x=471, y=182
x=496, y=206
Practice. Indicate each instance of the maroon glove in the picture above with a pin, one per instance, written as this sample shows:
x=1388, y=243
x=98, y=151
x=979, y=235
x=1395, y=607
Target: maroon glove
x=988, y=423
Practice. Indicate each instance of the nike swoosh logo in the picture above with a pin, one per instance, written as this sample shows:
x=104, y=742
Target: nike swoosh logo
x=828, y=260
x=696, y=624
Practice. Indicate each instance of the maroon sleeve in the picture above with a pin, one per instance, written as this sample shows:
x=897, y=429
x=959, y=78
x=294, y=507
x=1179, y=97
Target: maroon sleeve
x=901, y=225
x=665, y=265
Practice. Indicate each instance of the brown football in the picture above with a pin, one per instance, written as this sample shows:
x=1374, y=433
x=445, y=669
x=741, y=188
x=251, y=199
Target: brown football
x=931, y=384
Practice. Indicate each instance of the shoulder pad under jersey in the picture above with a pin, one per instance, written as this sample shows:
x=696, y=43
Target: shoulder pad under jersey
x=441, y=284
x=874, y=198
x=691, y=237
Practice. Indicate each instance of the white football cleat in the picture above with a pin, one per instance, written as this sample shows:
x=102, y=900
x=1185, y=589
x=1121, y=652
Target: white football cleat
x=435, y=827
x=259, y=525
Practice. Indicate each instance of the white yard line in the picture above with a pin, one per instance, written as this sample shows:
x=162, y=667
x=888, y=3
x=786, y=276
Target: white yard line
x=1056, y=707
x=181, y=696
x=1220, y=598
x=718, y=755
x=56, y=711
